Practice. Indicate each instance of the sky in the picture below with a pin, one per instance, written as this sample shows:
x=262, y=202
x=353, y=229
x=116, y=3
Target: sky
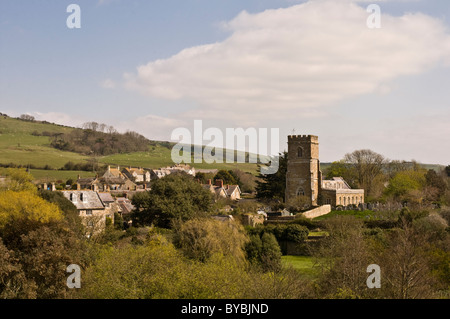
x=304, y=67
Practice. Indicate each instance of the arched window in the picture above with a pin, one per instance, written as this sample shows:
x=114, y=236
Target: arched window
x=300, y=192
x=300, y=152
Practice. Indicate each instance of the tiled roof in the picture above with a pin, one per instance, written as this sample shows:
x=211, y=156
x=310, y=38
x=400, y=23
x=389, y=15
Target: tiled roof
x=84, y=199
x=231, y=189
x=106, y=197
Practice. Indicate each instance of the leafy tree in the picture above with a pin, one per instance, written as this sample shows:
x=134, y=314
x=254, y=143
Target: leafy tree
x=17, y=180
x=226, y=176
x=263, y=250
x=253, y=249
x=67, y=208
x=407, y=185
x=270, y=253
x=273, y=186
x=339, y=169
x=435, y=185
x=343, y=257
x=44, y=254
x=13, y=281
x=26, y=205
x=200, y=239
x=295, y=233
x=176, y=196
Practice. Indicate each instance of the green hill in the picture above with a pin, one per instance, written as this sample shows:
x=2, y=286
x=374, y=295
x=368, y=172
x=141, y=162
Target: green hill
x=28, y=143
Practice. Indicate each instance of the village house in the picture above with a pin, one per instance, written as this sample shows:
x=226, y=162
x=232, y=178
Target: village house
x=113, y=173
x=159, y=173
x=138, y=175
x=164, y=171
x=90, y=208
x=106, y=184
x=220, y=191
x=217, y=190
x=233, y=192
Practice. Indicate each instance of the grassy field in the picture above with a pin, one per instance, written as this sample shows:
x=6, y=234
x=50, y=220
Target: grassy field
x=54, y=175
x=160, y=156
x=304, y=264
x=19, y=146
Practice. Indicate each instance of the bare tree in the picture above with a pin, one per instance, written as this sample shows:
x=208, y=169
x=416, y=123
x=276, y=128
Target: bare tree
x=27, y=117
x=406, y=266
x=367, y=165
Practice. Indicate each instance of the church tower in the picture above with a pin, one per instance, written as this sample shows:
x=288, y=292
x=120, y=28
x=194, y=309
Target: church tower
x=303, y=176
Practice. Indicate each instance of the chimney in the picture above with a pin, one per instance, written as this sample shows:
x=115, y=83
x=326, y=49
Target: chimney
x=219, y=182
x=79, y=176
x=209, y=182
x=109, y=168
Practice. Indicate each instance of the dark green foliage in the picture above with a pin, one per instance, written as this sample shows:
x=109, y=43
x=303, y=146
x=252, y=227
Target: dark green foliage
x=270, y=255
x=273, y=186
x=307, y=222
x=227, y=177
x=67, y=207
x=176, y=196
x=92, y=141
x=118, y=221
x=264, y=251
x=295, y=233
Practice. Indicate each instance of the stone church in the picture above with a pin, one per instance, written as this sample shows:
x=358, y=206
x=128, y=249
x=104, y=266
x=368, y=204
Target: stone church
x=304, y=177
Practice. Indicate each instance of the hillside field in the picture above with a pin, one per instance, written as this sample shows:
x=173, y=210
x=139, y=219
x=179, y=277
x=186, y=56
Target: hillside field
x=19, y=146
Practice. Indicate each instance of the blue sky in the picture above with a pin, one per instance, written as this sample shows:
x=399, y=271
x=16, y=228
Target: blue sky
x=305, y=67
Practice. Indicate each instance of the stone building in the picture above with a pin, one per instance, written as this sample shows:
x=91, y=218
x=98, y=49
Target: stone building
x=304, y=177
x=337, y=192
x=91, y=209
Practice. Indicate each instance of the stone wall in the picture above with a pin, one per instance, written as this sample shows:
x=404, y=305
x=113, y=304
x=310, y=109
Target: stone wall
x=316, y=212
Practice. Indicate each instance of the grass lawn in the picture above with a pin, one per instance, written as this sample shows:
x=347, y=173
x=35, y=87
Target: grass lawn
x=54, y=175
x=304, y=264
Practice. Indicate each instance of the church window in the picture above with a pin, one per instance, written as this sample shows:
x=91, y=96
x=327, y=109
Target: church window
x=300, y=152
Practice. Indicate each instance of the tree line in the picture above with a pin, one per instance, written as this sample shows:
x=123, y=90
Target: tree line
x=100, y=139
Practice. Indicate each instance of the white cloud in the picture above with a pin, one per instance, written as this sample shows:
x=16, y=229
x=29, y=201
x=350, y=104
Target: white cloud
x=295, y=60
x=108, y=84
